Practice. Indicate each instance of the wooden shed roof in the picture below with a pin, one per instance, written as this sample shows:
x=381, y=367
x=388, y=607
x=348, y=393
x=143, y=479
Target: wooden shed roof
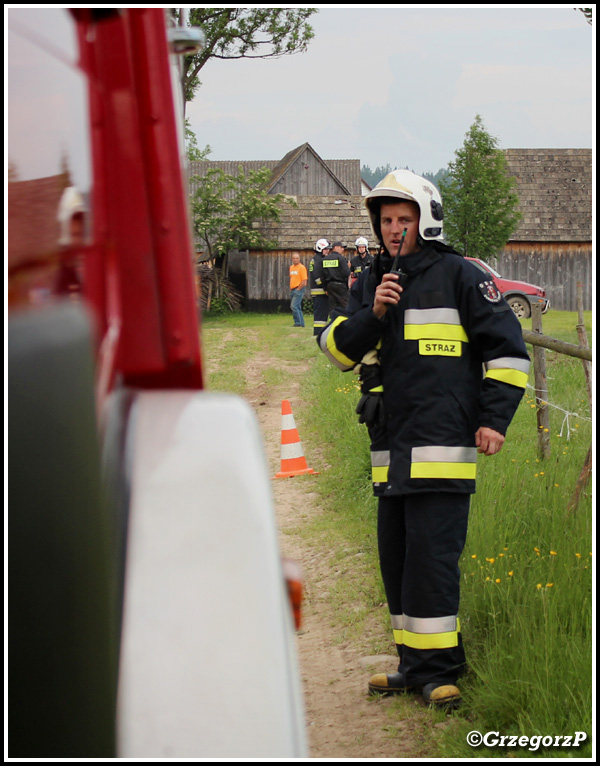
x=346, y=173
x=341, y=218
x=555, y=193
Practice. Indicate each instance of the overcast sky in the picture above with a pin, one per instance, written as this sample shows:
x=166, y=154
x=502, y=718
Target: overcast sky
x=403, y=84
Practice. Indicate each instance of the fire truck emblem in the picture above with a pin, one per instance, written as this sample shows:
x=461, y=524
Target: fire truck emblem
x=490, y=292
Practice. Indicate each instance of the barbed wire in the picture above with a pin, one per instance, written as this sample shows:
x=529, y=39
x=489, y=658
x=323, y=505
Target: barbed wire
x=567, y=413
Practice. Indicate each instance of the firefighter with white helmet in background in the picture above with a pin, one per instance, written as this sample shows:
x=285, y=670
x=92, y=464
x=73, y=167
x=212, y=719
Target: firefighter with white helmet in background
x=425, y=323
x=317, y=286
x=361, y=260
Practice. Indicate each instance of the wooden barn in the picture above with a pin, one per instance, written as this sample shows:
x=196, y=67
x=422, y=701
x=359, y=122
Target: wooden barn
x=551, y=247
x=329, y=202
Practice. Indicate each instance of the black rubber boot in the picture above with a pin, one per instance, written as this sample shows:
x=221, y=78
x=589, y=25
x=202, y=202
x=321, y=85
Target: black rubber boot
x=446, y=696
x=393, y=683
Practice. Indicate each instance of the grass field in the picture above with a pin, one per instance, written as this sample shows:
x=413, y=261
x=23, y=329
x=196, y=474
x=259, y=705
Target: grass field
x=527, y=568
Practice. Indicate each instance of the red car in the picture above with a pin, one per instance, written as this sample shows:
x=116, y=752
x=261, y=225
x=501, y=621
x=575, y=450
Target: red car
x=520, y=296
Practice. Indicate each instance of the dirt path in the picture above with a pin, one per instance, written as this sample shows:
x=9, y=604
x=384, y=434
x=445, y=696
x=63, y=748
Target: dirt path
x=342, y=721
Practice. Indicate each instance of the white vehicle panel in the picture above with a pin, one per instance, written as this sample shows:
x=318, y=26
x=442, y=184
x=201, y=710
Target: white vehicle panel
x=208, y=660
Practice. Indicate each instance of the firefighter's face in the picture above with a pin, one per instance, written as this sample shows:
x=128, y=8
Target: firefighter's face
x=394, y=218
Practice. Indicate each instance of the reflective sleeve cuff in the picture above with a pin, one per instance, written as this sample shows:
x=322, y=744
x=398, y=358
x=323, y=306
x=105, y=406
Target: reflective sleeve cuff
x=329, y=348
x=511, y=370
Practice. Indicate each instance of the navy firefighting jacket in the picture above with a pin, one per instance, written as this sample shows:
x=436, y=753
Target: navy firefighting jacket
x=452, y=359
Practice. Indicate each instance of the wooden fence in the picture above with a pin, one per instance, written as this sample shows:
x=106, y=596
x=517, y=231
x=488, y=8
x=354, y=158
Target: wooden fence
x=540, y=342
x=557, y=267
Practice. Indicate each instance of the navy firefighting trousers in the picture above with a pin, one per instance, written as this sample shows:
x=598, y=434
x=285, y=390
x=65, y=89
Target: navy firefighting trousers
x=421, y=538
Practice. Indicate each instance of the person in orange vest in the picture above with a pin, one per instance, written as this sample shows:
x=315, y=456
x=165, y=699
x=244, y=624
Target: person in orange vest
x=298, y=282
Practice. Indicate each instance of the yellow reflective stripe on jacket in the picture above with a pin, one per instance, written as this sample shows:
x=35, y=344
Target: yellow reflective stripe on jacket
x=439, y=324
x=426, y=632
x=328, y=347
x=508, y=369
x=380, y=466
x=443, y=462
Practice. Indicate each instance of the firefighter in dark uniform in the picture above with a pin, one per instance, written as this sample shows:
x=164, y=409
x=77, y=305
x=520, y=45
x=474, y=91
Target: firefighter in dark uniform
x=362, y=259
x=317, y=287
x=444, y=367
x=336, y=274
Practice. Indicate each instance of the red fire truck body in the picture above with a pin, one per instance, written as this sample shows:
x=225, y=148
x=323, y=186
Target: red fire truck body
x=148, y=611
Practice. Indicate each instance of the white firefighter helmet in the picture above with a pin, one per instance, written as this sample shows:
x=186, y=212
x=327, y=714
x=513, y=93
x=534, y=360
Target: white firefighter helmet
x=405, y=185
x=362, y=241
x=322, y=244
x=71, y=204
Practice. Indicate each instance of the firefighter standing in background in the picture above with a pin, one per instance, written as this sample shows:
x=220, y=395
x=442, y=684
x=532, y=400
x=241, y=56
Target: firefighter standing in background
x=336, y=274
x=435, y=326
x=362, y=259
x=317, y=286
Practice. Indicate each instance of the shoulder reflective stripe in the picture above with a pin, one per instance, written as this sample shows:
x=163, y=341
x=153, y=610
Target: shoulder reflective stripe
x=435, y=331
x=440, y=324
x=432, y=316
x=513, y=377
x=443, y=463
x=328, y=347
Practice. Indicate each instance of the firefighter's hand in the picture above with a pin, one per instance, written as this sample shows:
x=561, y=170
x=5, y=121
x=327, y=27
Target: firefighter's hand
x=488, y=441
x=387, y=294
x=370, y=411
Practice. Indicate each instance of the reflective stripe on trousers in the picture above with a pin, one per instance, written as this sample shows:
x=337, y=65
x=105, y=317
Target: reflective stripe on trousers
x=426, y=632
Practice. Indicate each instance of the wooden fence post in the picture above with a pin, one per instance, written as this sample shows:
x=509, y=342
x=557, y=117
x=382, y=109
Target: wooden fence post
x=541, y=386
x=583, y=341
x=586, y=471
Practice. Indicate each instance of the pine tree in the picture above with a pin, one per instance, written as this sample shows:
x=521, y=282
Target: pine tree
x=480, y=201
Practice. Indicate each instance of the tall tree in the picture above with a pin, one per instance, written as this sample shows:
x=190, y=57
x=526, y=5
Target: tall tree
x=227, y=211
x=480, y=201
x=234, y=33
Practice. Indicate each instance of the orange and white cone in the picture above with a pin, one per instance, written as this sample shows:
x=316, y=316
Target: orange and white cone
x=293, y=461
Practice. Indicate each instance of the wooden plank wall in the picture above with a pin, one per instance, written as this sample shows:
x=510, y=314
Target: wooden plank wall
x=555, y=266
x=268, y=274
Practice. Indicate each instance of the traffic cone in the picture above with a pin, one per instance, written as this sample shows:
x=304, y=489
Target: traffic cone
x=293, y=462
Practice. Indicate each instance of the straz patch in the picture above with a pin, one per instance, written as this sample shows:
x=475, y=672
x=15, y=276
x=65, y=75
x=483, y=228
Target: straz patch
x=440, y=347
x=489, y=291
